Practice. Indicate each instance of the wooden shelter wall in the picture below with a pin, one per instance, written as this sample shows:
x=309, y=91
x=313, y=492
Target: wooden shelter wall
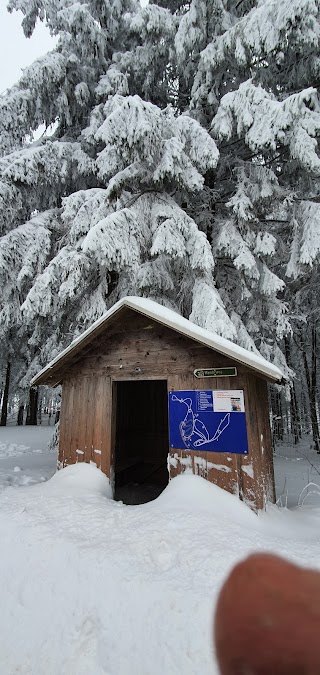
x=137, y=342
x=85, y=421
x=138, y=348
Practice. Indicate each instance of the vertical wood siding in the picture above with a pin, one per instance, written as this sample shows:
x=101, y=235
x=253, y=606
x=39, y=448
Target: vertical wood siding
x=85, y=426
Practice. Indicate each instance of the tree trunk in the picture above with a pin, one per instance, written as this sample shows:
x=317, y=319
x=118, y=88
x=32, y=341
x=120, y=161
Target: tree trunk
x=311, y=377
x=295, y=416
x=4, y=408
x=32, y=407
x=294, y=408
x=281, y=417
x=39, y=412
x=304, y=412
x=277, y=416
x=313, y=396
x=20, y=415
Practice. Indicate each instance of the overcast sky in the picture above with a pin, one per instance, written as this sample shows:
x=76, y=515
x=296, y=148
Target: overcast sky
x=16, y=51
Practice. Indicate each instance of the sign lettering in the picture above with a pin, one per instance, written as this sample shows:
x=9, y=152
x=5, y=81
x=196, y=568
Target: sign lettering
x=215, y=372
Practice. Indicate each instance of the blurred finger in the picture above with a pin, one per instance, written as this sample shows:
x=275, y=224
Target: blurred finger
x=268, y=619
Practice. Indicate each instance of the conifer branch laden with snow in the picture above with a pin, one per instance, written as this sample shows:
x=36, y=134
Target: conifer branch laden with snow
x=182, y=165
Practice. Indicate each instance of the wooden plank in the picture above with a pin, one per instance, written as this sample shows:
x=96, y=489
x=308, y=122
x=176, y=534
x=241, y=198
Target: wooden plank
x=243, y=463
x=265, y=445
x=136, y=370
x=242, y=384
x=252, y=487
x=113, y=433
x=99, y=410
x=65, y=450
x=89, y=413
x=180, y=461
x=63, y=424
x=106, y=426
x=82, y=420
x=75, y=451
x=124, y=356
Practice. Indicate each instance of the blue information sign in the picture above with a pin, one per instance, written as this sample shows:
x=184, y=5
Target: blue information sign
x=206, y=420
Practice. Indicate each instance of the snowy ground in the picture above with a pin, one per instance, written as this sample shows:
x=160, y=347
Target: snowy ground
x=24, y=457
x=297, y=474
x=89, y=585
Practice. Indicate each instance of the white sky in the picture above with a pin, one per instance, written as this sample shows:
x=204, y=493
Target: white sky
x=16, y=51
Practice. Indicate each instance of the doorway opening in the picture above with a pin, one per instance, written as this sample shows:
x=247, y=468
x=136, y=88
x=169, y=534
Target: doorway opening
x=141, y=440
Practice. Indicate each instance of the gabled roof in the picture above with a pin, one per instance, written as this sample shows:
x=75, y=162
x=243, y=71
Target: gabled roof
x=172, y=320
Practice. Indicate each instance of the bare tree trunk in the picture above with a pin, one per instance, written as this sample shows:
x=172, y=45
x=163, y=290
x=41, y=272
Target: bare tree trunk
x=39, y=411
x=20, y=415
x=277, y=415
x=294, y=409
x=4, y=408
x=304, y=412
x=32, y=407
x=311, y=378
x=295, y=416
x=313, y=393
x=281, y=416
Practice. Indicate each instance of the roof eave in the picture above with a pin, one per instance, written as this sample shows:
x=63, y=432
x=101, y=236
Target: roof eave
x=38, y=379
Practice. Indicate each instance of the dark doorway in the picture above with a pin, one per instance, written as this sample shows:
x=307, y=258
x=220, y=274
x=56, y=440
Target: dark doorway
x=141, y=443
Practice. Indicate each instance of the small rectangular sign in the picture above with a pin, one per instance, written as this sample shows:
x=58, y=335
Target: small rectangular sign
x=208, y=421
x=228, y=401
x=215, y=372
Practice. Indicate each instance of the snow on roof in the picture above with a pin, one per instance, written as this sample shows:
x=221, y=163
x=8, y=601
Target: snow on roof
x=173, y=320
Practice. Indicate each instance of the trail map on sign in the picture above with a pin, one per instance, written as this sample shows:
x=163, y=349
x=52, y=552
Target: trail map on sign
x=208, y=420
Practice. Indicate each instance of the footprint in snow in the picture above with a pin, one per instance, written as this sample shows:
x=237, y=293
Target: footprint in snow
x=164, y=557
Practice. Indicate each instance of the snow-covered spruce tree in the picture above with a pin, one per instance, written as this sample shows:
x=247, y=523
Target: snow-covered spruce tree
x=248, y=72
x=132, y=236
x=57, y=89
x=303, y=272
x=95, y=210
x=136, y=197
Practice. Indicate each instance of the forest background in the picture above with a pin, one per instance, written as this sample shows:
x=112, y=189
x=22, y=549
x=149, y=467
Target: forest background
x=179, y=161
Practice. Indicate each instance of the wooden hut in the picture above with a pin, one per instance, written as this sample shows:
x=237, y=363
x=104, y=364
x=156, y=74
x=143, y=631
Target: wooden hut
x=117, y=379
